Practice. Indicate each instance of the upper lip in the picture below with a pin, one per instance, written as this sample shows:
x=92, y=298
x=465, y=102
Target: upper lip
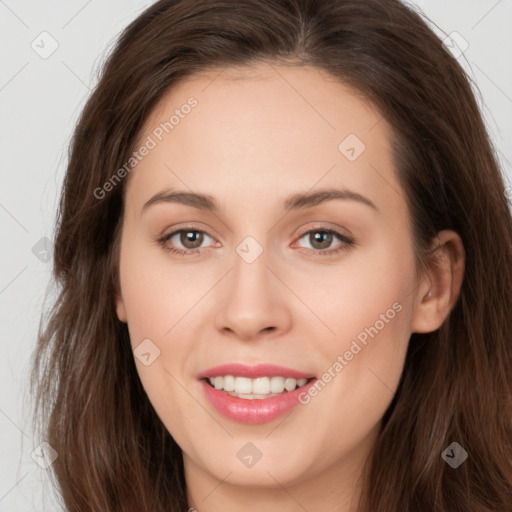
x=260, y=370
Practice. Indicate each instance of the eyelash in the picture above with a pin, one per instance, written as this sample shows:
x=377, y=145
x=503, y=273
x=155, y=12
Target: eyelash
x=347, y=242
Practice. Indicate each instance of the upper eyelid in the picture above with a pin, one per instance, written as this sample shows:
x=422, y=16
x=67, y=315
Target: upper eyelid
x=323, y=227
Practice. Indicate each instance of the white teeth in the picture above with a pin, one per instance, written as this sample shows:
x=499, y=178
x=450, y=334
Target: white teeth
x=261, y=387
x=229, y=383
x=277, y=384
x=218, y=382
x=290, y=384
x=243, y=385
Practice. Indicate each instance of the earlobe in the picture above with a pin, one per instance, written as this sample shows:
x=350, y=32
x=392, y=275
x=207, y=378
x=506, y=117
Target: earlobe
x=440, y=288
x=121, y=313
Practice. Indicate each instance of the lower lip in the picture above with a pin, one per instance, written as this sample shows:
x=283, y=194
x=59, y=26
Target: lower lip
x=256, y=411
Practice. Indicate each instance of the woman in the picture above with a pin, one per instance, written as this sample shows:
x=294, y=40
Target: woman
x=199, y=354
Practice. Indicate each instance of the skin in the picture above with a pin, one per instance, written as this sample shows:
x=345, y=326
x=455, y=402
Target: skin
x=257, y=136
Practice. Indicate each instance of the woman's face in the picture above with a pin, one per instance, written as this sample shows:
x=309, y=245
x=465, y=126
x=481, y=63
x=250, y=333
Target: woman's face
x=273, y=272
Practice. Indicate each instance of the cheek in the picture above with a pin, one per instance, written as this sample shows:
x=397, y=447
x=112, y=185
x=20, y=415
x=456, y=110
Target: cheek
x=379, y=311
x=156, y=293
x=362, y=365
x=364, y=291
x=369, y=314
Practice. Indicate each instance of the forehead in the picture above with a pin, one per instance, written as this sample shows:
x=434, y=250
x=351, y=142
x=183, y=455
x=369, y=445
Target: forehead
x=264, y=127
x=270, y=98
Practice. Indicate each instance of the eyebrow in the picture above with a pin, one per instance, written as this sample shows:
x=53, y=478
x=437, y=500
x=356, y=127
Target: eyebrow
x=294, y=202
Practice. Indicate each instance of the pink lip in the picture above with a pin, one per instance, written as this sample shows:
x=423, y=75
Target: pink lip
x=261, y=370
x=257, y=411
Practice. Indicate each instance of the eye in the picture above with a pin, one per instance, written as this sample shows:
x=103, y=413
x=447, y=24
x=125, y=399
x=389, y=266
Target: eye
x=190, y=238
x=321, y=239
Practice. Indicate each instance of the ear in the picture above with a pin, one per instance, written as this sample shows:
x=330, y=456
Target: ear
x=120, y=310
x=440, y=287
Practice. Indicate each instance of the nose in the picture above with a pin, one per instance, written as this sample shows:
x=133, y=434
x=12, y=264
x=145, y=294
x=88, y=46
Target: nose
x=252, y=302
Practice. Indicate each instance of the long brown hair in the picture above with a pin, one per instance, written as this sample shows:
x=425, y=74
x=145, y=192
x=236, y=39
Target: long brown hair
x=114, y=454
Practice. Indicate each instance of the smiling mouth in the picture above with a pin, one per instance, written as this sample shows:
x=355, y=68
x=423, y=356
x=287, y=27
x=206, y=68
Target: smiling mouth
x=257, y=388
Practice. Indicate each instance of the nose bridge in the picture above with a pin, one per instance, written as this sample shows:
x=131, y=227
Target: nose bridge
x=250, y=272
x=251, y=302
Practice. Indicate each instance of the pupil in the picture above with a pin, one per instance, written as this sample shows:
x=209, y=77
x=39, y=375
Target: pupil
x=189, y=238
x=319, y=235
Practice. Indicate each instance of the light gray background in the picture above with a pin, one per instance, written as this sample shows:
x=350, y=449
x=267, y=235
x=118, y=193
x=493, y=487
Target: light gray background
x=40, y=100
